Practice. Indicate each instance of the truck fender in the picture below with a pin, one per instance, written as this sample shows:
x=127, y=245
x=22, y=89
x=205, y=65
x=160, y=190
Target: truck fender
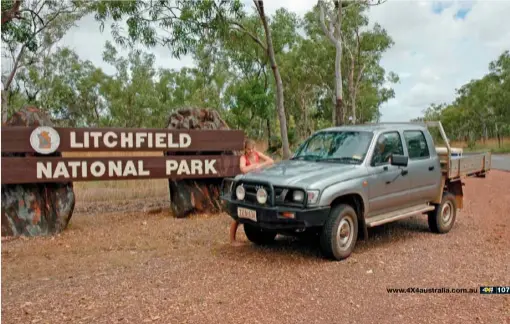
x=356, y=200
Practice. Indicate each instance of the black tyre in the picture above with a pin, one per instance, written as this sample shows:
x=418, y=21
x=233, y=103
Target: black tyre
x=442, y=218
x=258, y=235
x=340, y=233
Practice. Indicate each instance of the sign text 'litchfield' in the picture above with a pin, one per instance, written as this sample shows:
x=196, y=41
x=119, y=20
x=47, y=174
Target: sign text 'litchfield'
x=99, y=169
x=113, y=140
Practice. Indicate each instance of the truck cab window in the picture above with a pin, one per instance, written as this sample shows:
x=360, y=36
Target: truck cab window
x=387, y=144
x=416, y=144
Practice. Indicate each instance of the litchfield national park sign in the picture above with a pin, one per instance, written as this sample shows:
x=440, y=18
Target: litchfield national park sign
x=43, y=141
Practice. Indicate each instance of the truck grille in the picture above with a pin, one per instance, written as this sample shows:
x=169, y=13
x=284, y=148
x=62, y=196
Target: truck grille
x=283, y=196
x=251, y=192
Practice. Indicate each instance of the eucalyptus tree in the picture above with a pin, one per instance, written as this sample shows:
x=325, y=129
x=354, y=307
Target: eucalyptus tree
x=332, y=27
x=481, y=108
x=29, y=29
x=364, y=78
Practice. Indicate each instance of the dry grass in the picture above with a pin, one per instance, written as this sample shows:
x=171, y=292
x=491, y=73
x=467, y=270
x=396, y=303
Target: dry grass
x=118, y=189
x=491, y=144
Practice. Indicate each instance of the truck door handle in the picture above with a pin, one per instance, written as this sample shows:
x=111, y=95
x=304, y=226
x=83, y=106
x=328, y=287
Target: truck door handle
x=431, y=168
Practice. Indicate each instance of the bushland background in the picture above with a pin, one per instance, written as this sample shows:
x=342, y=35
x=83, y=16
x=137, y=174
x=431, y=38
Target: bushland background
x=279, y=78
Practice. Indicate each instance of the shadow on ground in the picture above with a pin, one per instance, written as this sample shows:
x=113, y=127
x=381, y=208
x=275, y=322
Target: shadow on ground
x=378, y=237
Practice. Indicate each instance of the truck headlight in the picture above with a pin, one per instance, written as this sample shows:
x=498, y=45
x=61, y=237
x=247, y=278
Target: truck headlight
x=240, y=192
x=262, y=196
x=312, y=196
x=298, y=195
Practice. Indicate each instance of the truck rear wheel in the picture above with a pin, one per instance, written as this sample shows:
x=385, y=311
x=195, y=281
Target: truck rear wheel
x=340, y=233
x=257, y=235
x=442, y=218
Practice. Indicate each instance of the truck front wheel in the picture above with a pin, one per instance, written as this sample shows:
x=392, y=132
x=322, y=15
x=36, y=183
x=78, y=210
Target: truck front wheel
x=442, y=218
x=340, y=233
x=257, y=235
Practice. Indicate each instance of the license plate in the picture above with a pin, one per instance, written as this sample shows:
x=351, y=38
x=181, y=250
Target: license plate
x=247, y=213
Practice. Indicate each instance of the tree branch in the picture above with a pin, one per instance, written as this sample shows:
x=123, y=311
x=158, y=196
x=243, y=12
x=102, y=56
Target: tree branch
x=323, y=24
x=375, y=2
x=360, y=75
x=347, y=46
x=339, y=5
x=33, y=13
x=14, y=69
x=252, y=36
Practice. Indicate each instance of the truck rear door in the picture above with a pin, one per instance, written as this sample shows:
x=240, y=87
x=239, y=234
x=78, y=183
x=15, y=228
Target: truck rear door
x=424, y=167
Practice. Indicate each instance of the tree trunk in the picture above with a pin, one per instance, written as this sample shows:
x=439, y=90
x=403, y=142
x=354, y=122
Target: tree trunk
x=333, y=110
x=279, y=85
x=339, y=112
x=300, y=120
x=339, y=106
x=305, y=118
x=498, y=135
x=7, y=86
x=352, y=91
x=268, y=124
x=5, y=106
x=334, y=35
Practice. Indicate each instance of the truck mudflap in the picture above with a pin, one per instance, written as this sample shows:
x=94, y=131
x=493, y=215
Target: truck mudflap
x=277, y=217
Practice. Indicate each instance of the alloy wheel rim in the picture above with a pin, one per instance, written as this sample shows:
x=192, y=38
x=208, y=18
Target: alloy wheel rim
x=447, y=213
x=345, y=233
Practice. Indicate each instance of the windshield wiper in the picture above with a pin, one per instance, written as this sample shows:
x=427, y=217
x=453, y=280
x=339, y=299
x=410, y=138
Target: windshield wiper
x=306, y=157
x=341, y=159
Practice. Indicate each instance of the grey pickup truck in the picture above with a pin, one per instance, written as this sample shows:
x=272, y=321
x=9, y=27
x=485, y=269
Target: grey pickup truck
x=343, y=180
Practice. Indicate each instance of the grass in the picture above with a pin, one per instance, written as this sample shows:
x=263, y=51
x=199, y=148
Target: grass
x=489, y=145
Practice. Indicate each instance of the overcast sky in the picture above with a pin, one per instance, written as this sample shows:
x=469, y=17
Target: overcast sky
x=439, y=46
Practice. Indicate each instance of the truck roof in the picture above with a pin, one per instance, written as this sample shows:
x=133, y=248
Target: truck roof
x=379, y=127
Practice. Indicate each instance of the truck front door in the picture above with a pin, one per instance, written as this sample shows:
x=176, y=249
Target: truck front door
x=388, y=188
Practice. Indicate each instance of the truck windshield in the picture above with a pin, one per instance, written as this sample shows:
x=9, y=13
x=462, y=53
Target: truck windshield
x=338, y=146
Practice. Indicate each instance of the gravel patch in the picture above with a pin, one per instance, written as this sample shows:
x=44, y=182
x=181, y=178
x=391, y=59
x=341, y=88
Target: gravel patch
x=135, y=267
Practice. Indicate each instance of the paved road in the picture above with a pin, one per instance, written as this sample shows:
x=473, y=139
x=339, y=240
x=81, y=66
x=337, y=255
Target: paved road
x=501, y=162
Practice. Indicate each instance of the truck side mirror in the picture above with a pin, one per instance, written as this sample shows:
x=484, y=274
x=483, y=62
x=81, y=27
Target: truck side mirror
x=399, y=160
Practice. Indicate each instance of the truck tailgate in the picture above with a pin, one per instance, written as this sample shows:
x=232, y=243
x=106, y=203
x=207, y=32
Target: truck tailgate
x=469, y=164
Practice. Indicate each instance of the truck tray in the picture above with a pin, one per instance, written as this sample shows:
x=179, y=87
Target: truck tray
x=469, y=164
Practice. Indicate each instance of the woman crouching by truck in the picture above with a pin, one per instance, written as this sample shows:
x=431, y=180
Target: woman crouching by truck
x=249, y=161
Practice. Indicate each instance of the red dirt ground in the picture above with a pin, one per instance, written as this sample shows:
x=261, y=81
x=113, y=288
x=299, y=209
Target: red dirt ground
x=141, y=268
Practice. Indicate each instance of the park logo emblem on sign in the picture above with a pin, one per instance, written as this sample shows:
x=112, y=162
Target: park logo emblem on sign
x=45, y=140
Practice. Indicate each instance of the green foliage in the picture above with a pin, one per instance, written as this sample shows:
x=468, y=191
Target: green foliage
x=481, y=109
x=29, y=36
x=248, y=100
x=35, y=17
x=232, y=71
x=67, y=87
x=184, y=23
